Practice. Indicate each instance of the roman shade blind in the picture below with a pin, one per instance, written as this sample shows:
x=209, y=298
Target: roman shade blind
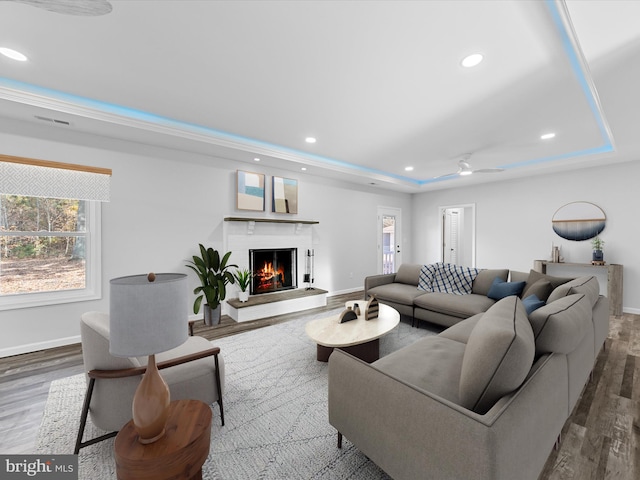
x=41, y=178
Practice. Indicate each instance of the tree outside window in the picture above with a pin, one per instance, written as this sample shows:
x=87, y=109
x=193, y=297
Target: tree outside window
x=42, y=244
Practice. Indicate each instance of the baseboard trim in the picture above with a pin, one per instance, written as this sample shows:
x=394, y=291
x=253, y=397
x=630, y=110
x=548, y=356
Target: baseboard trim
x=633, y=311
x=34, y=347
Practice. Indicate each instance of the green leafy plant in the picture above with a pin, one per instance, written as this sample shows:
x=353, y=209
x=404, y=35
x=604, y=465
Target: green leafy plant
x=243, y=277
x=214, y=275
x=597, y=243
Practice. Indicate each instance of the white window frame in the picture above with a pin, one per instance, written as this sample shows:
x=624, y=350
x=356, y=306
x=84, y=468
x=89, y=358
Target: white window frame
x=93, y=272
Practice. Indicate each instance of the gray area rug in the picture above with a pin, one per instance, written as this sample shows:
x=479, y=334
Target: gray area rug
x=276, y=421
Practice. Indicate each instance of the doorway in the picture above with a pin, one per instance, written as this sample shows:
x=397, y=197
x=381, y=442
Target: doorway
x=458, y=234
x=389, y=239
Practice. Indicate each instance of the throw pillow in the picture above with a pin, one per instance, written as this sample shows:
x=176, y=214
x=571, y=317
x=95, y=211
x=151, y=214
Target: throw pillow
x=535, y=276
x=498, y=356
x=531, y=303
x=541, y=289
x=501, y=289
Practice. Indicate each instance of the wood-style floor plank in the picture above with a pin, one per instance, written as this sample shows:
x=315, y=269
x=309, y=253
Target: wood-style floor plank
x=600, y=441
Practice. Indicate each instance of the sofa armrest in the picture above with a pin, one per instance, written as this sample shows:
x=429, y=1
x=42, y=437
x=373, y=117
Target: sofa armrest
x=407, y=431
x=377, y=280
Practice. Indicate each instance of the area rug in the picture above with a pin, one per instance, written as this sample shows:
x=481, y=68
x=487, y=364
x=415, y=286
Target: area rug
x=276, y=421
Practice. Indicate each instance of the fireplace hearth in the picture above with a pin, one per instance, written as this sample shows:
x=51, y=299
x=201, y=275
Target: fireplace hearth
x=273, y=269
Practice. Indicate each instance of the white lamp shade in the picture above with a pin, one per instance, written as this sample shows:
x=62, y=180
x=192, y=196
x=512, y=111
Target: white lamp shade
x=148, y=317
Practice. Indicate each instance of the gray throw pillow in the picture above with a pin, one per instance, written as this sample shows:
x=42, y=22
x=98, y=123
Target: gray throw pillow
x=498, y=356
x=541, y=289
x=586, y=285
x=535, y=276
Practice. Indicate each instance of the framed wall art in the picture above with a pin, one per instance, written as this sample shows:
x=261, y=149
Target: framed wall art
x=284, y=195
x=579, y=221
x=250, y=191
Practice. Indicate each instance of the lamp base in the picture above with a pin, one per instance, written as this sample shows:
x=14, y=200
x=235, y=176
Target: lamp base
x=151, y=405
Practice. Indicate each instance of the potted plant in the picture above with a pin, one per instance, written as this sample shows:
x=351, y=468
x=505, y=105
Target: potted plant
x=243, y=277
x=214, y=275
x=598, y=256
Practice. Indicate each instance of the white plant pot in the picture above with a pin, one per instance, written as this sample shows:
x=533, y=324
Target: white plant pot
x=243, y=296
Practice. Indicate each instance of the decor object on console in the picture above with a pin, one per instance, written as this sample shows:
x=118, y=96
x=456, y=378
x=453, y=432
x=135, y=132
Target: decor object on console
x=250, y=191
x=597, y=257
x=148, y=315
x=284, y=195
x=214, y=275
x=579, y=221
x=243, y=277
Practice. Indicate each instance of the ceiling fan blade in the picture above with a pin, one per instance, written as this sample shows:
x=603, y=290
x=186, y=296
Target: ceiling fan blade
x=447, y=175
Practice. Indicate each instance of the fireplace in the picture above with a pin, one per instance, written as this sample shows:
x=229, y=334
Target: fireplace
x=274, y=269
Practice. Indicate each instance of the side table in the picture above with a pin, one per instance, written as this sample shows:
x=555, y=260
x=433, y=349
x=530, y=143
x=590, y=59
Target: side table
x=180, y=453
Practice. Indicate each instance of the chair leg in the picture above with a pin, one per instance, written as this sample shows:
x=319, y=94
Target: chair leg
x=219, y=387
x=83, y=422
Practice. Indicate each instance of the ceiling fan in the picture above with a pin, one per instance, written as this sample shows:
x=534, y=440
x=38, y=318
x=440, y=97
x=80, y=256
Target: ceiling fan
x=464, y=168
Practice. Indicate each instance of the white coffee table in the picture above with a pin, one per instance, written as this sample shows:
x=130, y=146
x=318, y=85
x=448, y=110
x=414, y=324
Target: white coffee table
x=360, y=338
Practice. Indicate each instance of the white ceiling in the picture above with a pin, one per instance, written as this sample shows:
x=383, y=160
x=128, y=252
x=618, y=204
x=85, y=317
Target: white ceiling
x=378, y=83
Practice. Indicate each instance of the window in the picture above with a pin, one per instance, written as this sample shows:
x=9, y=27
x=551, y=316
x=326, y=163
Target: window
x=49, y=251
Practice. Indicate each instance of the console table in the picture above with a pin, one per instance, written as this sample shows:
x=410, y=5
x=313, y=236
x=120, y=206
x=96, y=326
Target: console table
x=614, y=280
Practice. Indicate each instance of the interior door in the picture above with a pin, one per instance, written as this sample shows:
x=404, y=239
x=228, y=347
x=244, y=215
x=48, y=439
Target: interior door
x=389, y=239
x=452, y=221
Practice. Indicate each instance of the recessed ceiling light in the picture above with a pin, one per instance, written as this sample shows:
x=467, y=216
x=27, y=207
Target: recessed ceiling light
x=310, y=140
x=256, y=159
x=547, y=136
x=304, y=169
x=408, y=169
x=14, y=55
x=472, y=60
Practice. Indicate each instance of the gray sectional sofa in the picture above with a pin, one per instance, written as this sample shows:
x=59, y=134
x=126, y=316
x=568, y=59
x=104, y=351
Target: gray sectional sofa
x=485, y=399
x=400, y=290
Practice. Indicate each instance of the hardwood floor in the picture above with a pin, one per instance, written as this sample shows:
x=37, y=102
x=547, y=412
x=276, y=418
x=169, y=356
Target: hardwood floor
x=601, y=440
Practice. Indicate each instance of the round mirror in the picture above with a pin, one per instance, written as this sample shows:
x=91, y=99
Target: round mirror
x=579, y=221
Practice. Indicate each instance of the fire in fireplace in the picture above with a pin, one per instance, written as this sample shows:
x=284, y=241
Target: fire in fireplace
x=273, y=269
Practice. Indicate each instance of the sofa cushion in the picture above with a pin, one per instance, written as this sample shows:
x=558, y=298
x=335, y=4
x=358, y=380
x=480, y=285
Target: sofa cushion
x=396, y=292
x=541, y=288
x=500, y=289
x=408, y=274
x=559, y=326
x=461, y=306
x=483, y=281
x=461, y=331
x=498, y=356
x=586, y=285
x=532, y=303
x=535, y=276
x=432, y=364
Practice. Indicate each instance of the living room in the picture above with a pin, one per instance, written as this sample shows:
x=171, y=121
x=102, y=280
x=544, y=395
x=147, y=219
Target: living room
x=164, y=201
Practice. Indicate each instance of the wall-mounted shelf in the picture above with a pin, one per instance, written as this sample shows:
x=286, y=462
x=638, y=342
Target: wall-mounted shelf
x=269, y=220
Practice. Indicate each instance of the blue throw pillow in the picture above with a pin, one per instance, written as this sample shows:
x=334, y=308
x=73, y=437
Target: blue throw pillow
x=501, y=289
x=532, y=303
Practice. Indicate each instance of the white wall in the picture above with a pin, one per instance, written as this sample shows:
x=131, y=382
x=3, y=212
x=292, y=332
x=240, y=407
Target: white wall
x=513, y=220
x=163, y=203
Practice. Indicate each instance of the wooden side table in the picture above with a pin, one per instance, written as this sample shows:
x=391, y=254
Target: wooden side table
x=179, y=454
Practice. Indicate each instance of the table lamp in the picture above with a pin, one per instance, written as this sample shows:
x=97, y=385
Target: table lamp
x=148, y=315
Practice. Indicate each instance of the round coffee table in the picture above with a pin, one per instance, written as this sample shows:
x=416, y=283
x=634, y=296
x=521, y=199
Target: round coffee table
x=180, y=453
x=360, y=337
